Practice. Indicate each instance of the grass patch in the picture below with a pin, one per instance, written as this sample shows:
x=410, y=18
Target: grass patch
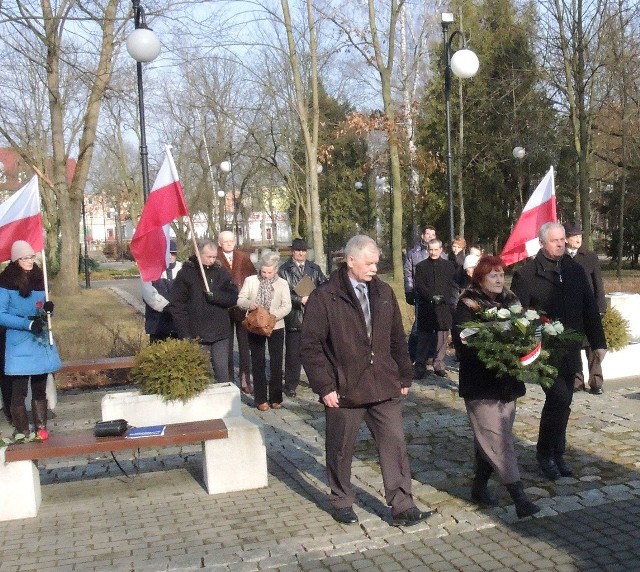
x=95, y=324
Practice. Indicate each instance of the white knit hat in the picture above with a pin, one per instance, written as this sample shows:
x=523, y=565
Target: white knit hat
x=470, y=261
x=20, y=249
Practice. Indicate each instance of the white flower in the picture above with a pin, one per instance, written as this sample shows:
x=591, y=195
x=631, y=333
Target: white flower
x=521, y=324
x=558, y=327
x=516, y=309
x=492, y=311
x=503, y=313
x=531, y=315
x=549, y=330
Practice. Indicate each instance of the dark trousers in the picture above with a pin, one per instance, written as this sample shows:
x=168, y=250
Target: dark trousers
x=384, y=420
x=432, y=344
x=258, y=366
x=244, y=363
x=218, y=352
x=554, y=418
x=292, y=359
x=20, y=388
x=5, y=386
x=595, y=371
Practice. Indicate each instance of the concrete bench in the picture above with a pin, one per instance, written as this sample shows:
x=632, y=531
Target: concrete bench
x=234, y=459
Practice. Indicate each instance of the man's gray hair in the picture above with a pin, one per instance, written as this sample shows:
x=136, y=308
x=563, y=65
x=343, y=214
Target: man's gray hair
x=435, y=242
x=358, y=243
x=203, y=242
x=269, y=259
x=224, y=234
x=546, y=227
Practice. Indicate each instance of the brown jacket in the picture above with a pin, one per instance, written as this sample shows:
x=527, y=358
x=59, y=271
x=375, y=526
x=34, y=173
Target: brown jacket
x=336, y=352
x=241, y=267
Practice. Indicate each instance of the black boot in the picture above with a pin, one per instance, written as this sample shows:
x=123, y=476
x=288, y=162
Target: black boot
x=20, y=419
x=39, y=410
x=564, y=469
x=548, y=467
x=524, y=507
x=480, y=491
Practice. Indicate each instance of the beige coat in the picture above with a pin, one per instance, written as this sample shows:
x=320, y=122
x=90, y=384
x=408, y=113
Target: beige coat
x=280, y=304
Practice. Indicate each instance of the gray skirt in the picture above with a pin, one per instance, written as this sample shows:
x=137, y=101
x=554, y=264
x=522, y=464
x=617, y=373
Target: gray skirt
x=492, y=424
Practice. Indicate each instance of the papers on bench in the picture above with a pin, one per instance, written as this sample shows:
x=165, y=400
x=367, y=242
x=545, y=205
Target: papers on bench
x=150, y=431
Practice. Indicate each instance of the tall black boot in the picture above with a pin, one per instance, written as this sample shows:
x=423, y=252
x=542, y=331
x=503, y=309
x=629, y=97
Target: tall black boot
x=524, y=507
x=479, y=490
x=39, y=409
x=20, y=419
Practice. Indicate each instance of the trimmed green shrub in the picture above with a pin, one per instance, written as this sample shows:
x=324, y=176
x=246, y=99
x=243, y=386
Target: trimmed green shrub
x=174, y=369
x=616, y=330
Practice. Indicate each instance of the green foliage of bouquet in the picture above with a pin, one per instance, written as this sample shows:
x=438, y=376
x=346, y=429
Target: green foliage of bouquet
x=174, y=369
x=518, y=343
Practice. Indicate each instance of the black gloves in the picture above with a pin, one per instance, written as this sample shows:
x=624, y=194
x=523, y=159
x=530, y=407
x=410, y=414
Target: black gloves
x=36, y=326
x=48, y=307
x=410, y=297
x=210, y=297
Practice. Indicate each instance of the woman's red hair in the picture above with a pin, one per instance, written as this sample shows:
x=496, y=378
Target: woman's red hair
x=485, y=265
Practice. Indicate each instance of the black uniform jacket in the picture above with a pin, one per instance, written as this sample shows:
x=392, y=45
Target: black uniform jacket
x=435, y=278
x=291, y=272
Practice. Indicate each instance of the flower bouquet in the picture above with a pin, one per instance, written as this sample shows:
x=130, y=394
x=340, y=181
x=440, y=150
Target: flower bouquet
x=519, y=343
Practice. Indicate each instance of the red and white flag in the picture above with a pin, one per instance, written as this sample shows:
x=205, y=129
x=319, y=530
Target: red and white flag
x=540, y=208
x=150, y=243
x=21, y=219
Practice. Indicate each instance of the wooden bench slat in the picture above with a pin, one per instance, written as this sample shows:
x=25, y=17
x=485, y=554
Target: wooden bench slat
x=84, y=442
x=83, y=365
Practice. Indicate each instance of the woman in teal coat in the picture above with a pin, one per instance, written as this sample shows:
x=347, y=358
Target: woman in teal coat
x=28, y=354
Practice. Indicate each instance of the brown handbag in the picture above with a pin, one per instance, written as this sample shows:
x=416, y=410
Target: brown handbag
x=259, y=321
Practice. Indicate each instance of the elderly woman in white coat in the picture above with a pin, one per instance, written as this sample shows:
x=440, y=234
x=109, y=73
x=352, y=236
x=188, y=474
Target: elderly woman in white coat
x=271, y=292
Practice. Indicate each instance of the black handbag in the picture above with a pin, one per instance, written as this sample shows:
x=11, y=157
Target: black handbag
x=113, y=428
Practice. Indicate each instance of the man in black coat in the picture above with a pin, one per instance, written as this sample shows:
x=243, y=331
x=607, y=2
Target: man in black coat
x=553, y=283
x=591, y=266
x=435, y=294
x=201, y=314
x=293, y=271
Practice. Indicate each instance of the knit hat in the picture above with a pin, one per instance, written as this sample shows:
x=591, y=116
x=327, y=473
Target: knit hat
x=20, y=249
x=470, y=261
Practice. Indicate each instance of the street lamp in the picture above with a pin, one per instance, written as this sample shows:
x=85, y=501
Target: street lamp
x=464, y=64
x=519, y=152
x=143, y=46
x=359, y=185
x=226, y=168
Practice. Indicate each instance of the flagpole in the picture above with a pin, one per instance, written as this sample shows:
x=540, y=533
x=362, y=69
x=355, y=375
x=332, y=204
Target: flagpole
x=46, y=293
x=195, y=247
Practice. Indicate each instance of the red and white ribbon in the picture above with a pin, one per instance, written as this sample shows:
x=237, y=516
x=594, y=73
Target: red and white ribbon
x=532, y=355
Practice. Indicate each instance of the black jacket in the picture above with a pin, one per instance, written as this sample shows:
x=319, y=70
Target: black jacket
x=475, y=380
x=561, y=290
x=291, y=272
x=591, y=266
x=336, y=351
x=194, y=316
x=435, y=278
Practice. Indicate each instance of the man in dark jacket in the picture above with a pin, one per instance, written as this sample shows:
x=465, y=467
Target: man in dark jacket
x=293, y=271
x=203, y=314
x=355, y=355
x=239, y=265
x=435, y=291
x=591, y=266
x=553, y=283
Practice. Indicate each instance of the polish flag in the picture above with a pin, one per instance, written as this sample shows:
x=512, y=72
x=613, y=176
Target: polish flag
x=150, y=243
x=540, y=208
x=21, y=219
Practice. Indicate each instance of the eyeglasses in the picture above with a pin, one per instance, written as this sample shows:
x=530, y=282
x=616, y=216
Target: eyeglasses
x=28, y=258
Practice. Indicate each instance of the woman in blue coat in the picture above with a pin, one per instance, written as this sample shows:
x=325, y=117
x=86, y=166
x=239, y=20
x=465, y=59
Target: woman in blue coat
x=28, y=354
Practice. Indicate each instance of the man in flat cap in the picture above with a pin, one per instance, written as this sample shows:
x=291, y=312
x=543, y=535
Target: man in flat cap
x=293, y=271
x=591, y=265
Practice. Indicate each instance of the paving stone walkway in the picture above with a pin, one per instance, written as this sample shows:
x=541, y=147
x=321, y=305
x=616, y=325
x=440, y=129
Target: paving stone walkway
x=94, y=518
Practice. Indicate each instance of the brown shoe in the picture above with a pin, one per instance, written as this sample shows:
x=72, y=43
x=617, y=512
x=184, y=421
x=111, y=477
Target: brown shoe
x=276, y=406
x=263, y=407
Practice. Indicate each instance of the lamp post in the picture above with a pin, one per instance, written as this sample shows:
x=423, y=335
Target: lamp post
x=519, y=153
x=226, y=167
x=143, y=46
x=359, y=186
x=87, y=279
x=221, y=208
x=319, y=170
x=464, y=64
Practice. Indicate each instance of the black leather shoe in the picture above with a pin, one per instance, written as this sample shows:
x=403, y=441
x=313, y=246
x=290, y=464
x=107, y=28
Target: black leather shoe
x=345, y=515
x=596, y=391
x=410, y=517
x=289, y=392
x=548, y=467
x=564, y=469
x=440, y=373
